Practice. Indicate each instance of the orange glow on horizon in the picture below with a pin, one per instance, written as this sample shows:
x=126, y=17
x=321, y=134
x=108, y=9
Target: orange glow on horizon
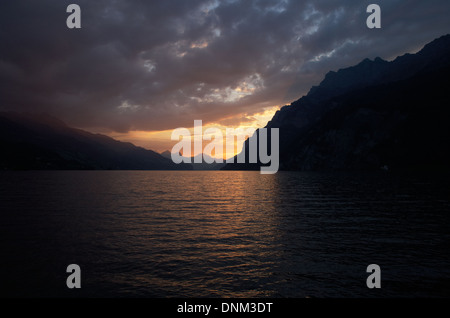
x=160, y=141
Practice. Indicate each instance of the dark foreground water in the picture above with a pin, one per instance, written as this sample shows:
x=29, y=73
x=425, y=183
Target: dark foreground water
x=223, y=234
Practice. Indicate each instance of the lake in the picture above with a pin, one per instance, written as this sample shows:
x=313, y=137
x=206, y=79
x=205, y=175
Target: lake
x=224, y=234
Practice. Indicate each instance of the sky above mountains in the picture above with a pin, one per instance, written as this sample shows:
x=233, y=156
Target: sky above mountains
x=138, y=69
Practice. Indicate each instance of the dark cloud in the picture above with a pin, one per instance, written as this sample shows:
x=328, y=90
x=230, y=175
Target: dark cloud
x=156, y=65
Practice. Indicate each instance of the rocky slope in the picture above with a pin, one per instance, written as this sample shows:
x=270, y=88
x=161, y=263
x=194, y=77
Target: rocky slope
x=41, y=142
x=375, y=114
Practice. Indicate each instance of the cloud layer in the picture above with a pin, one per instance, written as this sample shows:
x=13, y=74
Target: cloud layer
x=158, y=65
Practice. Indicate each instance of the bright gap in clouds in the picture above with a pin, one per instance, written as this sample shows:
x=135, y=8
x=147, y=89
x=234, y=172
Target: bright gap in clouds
x=160, y=141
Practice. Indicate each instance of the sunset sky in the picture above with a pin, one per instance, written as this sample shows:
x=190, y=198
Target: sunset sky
x=136, y=70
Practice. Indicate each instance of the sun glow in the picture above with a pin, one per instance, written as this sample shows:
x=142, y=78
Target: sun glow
x=160, y=141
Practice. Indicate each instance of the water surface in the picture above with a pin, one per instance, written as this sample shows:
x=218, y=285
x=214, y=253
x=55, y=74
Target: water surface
x=223, y=234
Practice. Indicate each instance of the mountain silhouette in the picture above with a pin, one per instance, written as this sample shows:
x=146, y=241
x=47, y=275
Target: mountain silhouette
x=42, y=142
x=198, y=166
x=375, y=114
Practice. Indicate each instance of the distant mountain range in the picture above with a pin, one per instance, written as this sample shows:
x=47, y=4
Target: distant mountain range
x=198, y=166
x=42, y=142
x=377, y=114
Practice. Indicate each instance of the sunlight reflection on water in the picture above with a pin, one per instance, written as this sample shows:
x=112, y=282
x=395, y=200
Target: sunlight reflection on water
x=223, y=234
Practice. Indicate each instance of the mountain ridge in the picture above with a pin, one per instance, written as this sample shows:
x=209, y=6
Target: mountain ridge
x=203, y=165
x=42, y=142
x=341, y=99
